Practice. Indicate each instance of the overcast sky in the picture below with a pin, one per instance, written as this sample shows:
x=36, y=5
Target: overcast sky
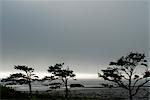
x=85, y=35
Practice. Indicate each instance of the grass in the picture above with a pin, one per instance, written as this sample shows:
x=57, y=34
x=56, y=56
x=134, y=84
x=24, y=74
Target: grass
x=8, y=93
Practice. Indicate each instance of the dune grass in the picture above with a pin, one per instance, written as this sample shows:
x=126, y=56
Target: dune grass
x=7, y=93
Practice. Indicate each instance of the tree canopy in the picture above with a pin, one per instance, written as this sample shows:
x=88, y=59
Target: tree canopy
x=64, y=74
x=26, y=77
x=123, y=72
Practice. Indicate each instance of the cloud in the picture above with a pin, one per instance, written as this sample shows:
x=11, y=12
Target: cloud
x=87, y=34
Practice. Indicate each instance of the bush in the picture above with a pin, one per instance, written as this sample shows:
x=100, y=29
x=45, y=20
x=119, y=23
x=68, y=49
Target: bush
x=9, y=93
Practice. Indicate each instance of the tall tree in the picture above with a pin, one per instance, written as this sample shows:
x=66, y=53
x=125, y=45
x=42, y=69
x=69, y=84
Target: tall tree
x=59, y=72
x=22, y=78
x=123, y=72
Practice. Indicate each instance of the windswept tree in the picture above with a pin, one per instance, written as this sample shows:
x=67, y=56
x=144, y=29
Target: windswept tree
x=129, y=72
x=64, y=74
x=22, y=78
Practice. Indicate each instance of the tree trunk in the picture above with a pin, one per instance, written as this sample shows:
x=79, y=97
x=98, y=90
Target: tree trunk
x=130, y=90
x=130, y=94
x=30, y=90
x=66, y=95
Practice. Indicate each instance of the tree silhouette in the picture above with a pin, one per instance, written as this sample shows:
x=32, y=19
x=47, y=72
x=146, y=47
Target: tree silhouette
x=58, y=72
x=52, y=85
x=123, y=73
x=22, y=78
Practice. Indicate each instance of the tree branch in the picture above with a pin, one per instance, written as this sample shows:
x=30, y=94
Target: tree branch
x=135, y=83
x=139, y=87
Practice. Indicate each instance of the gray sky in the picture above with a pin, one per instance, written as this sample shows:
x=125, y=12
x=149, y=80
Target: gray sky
x=86, y=35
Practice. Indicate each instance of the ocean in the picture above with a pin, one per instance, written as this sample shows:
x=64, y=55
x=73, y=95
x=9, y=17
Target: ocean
x=43, y=86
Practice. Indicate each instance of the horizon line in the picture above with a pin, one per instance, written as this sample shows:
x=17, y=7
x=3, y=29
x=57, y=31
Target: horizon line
x=43, y=74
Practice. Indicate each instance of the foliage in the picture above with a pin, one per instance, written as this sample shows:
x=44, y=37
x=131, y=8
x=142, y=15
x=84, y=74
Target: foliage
x=107, y=85
x=58, y=72
x=124, y=69
x=22, y=78
x=9, y=93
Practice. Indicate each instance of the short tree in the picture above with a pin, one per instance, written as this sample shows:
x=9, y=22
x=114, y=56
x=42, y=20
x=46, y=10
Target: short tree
x=123, y=73
x=58, y=72
x=22, y=78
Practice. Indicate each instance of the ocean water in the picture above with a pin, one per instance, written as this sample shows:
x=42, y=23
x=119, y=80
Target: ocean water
x=88, y=82
x=42, y=86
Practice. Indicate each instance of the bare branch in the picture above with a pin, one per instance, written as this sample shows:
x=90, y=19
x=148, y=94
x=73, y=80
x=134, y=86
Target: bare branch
x=136, y=82
x=140, y=86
